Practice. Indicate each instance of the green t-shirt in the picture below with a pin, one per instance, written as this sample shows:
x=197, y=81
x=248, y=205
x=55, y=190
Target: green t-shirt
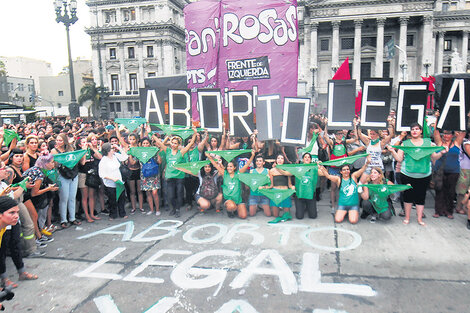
x=348, y=195
x=171, y=160
x=265, y=172
x=231, y=188
x=416, y=168
x=305, y=187
x=193, y=155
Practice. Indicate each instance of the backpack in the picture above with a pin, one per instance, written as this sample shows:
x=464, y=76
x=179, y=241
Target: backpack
x=150, y=168
x=208, y=189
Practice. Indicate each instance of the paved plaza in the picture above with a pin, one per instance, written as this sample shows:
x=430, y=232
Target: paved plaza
x=210, y=263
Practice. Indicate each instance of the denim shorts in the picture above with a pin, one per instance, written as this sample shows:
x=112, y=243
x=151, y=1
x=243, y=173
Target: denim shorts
x=258, y=200
x=348, y=208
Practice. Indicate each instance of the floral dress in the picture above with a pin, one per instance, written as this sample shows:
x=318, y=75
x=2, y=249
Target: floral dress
x=149, y=183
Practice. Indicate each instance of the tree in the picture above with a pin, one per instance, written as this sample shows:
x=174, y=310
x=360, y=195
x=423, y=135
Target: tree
x=90, y=92
x=3, y=69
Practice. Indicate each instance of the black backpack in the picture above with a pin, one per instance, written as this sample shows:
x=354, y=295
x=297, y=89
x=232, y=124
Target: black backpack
x=208, y=189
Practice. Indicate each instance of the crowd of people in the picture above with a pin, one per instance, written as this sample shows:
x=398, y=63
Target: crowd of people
x=370, y=174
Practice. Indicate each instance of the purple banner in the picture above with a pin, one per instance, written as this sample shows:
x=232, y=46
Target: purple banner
x=256, y=45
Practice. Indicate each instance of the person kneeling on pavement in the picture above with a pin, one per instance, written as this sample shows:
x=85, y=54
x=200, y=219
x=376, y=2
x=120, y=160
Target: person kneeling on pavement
x=376, y=204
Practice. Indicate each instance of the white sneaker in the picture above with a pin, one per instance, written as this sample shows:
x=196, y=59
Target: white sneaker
x=158, y=213
x=149, y=213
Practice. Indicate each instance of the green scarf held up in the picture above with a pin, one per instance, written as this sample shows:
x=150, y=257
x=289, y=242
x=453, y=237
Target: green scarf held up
x=378, y=194
x=119, y=189
x=343, y=161
x=298, y=170
x=22, y=184
x=229, y=155
x=277, y=195
x=310, y=146
x=69, y=159
x=254, y=180
x=426, y=132
x=144, y=154
x=131, y=123
x=193, y=167
x=168, y=129
x=417, y=153
x=8, y=136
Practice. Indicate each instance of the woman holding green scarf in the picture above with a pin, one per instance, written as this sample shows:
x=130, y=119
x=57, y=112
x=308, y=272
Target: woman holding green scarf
x=305, y=191
x=417, y=173
x=373, y=201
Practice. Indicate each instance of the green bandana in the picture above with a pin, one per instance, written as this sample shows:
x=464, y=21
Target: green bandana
x=8, y=136
x=21, y=184
x=298, y=170
x=277, y=195
x=168, y=129
x=254, y=180
x=378, y=194
x=144, y=154
x=131, y=123
x=310, y=146
x=346, y=160
x=426, y=132
x=417, y=153
x=119, y=189
x=193, y=167
x=374, y=142
x=69, y=159
x=228, y=155
x=183, y=133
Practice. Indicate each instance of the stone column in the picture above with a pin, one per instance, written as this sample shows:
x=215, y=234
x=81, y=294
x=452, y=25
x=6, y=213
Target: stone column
x=122, y=76
x=357, y=52
x=440, y=51
x=160, y=57
x=379, y=55
x=465, y=49
x=314, y=54
x=307, y=53
x=427, y=44
x=140, y=58
x=335, y=46
x=403, y=62
x=138, y=18
x=168, y=58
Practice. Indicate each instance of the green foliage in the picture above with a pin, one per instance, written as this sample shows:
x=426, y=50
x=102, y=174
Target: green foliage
x=90, y=92
x=3, y=69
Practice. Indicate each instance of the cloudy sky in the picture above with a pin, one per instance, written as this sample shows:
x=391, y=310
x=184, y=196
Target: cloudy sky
x=28, y=28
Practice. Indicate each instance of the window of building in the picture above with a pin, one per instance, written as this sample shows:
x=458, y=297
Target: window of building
x=131, y=52
x=20, y=87
x=347, y=43
x=366, y=70
x=115, y=82
x=133, y=81
x=59, y=105
x=112, y=53
x=453, y=6
x=109, y=16
x=324, y=45
x=130, y=106
x=128, y=14
x=10, y=87
x=369, y=42
x=151, y=74
x=446, y=69
x=30, y=88
x=61, y=93
x=447, y=45
x=467, y=5
x=148, y=14
x=410, y=40
x=118, y=106
x=149, y=51
x=445, y=7
x=112, y=107
x=136, y=106
x=386, y=70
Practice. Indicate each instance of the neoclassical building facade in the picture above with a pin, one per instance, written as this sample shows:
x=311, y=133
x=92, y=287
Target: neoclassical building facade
x=133, y=40
x=431, y=38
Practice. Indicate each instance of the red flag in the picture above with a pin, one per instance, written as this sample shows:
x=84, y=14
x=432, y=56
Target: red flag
x=357, y=103
x=343, y=71
x=431, y=80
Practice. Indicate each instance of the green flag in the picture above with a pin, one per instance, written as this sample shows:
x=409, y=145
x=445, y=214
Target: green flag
x=193, y=167
x=346, y=160
x=183, y=133
x=131, y=123
x=426, y=132
x=254, y=180
x=298, y=170
x=53, y=175
x=9, y=135
x=22, y=183
x=168, y=129
x=119, y=189
x=277, y=195
x=417, y=153
x=144, y=154
x=310, y=146
x=69, y=159
x=229, y=155
x=378, y=194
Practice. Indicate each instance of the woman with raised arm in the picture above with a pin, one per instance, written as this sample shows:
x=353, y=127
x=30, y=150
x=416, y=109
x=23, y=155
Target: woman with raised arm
x=348, y=201
x=417, y=173
x=231, y=187
x=173, y=176
x=149, y=178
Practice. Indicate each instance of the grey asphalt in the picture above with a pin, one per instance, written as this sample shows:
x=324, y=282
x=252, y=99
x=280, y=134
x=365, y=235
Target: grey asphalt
x=205, y=266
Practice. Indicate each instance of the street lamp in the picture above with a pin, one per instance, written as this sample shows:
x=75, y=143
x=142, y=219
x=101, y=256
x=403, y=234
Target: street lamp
x=427, y=65
x=62, y=8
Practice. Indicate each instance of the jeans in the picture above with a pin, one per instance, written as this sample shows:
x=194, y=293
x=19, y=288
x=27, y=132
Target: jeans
x=175, y=192
x=67, y=195
x=302, y=205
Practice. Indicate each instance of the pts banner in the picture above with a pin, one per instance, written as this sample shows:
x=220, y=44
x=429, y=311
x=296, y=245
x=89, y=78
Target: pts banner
x=242, y=45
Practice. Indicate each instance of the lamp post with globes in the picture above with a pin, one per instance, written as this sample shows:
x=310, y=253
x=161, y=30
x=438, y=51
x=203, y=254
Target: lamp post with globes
x=62, y=10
